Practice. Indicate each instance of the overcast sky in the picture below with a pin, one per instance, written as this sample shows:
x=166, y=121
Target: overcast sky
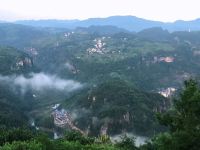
x=161, y=10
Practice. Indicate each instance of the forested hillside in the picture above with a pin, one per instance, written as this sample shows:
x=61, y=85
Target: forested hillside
x=13, y=106
x=102, y=81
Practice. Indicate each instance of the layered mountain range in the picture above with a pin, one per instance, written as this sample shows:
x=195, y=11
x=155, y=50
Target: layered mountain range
x=130, y=23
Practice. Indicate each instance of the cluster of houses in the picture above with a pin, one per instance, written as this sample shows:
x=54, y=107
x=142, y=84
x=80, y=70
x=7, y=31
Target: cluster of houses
x=167, y=92
x=63, y=119
x=167, y=59
x=98, y=47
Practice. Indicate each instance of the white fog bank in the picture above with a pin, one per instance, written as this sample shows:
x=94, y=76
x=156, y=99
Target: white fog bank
x=41, y=81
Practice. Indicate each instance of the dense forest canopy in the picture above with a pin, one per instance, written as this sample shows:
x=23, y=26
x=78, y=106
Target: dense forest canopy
x=102, y=82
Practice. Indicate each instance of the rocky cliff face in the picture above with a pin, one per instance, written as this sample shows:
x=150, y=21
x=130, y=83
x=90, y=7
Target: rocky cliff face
x=115, y=107
x=14, y=61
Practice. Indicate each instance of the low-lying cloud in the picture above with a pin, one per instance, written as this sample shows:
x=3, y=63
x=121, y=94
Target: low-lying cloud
x=139, y=140
x=41, y=81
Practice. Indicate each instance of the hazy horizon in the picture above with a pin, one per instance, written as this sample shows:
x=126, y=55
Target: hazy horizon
x=157, y=10
x=38, y=19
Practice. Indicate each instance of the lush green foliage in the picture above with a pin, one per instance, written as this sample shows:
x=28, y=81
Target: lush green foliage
x=12, y=108
x=77, y=137
x=183, y=121
x=118, y=78
x=15, y=134
x=71, y=141
x=127, y=144
x=9, y=59
x=13, y=105
x=118, y=106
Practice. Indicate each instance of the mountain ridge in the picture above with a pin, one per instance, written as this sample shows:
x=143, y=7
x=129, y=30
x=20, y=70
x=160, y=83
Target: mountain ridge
x=131, y=23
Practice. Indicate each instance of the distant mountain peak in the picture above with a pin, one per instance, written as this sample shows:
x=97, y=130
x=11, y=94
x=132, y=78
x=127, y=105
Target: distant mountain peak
x=131, y=23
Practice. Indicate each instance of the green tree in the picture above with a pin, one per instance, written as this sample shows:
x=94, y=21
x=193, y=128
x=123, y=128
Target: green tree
x=32, y=145
x=8, y=136
x=183, y=121
x=127, y=144
x=78, y=137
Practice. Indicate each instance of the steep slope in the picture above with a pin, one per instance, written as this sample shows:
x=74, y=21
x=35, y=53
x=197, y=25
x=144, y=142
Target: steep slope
x=12, y=112
x=14, y=61
x=114, y=107
x=13, y=105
